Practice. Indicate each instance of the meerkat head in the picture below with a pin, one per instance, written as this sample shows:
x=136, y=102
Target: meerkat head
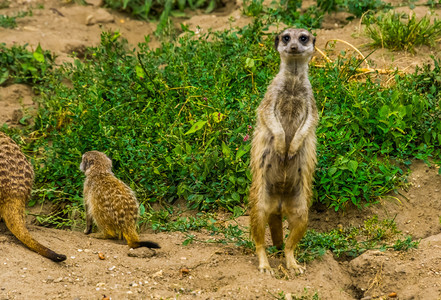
x=295, y=43
x=95, y=161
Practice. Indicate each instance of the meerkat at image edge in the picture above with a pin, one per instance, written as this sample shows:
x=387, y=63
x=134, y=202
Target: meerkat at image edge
x=109, y=202
x=283, y=153
x=16, y=179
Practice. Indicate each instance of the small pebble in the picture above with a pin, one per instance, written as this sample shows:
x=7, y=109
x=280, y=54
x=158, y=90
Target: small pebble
x=157, y=274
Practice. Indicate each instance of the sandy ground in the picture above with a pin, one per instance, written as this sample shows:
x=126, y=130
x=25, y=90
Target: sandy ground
x=205, y=270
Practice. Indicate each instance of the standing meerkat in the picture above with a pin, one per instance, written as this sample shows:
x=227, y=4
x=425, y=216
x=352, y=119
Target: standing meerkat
x=109, y=202
x=16, y=179
x=283, y=153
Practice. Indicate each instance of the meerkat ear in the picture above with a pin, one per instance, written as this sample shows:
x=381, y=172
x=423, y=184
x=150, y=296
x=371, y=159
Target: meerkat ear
x=313, y=41
x=109, y=160
x=276, y=42
x=85, y=164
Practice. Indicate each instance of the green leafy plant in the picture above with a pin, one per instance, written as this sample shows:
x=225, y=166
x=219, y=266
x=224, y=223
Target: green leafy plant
x=286, y=11
x=10, y=21
x=370, y=126
x=181, y=120
x=7, y=22
x=355, y=7
x=19, y=65
x=4, y=3
x=177, y=120
x=64, y=217
x=351, y=242
x=433, y=3
x=328, y=5
x=170, y=220
x=358, y=8
x=306, y=295
x=344, y=243
x=253, y=7
x=290, y=13
x=399, y=31
x=161, y=9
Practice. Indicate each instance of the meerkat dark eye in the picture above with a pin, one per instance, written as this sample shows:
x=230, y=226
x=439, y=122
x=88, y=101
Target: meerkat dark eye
x=303, y=38
x=286, y=38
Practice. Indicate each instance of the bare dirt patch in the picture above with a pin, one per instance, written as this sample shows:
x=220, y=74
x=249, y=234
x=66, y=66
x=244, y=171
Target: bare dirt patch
x=16, y=103
x=204, y=270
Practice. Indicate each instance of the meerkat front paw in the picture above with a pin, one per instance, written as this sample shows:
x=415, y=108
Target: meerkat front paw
x=292, y=151
x=280, y=145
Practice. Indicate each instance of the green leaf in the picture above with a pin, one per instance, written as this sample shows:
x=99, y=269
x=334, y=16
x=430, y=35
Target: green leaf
x=147, y=5
x=38, y=54
x=384, y=111
x=402, y=111
x=181, y=4
x=115, y=36
x=352, y=165
x=139, y=71
x=249, y=63
x=217, y=116
x=211, y=6
x=235, y=196
x=332, y=170
x=141, y=209
x=178, y=150
x=178, y=14
x=196, y=126
x=207, y=146
x=238, y=211
x=243, y=149
x=189, y=240
x=4, y=76
x=225, y=149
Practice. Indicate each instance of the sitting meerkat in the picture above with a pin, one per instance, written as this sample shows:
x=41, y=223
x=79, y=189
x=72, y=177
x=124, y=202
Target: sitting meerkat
x=16, y=179
x=109, y=202
x=283, y=153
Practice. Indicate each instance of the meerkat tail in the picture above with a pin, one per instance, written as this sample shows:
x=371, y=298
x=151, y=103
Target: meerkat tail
x=16, y=224
x=133, y=241
x=140, y=244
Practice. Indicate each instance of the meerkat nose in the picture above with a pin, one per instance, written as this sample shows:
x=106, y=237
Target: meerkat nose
x=294, y=47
